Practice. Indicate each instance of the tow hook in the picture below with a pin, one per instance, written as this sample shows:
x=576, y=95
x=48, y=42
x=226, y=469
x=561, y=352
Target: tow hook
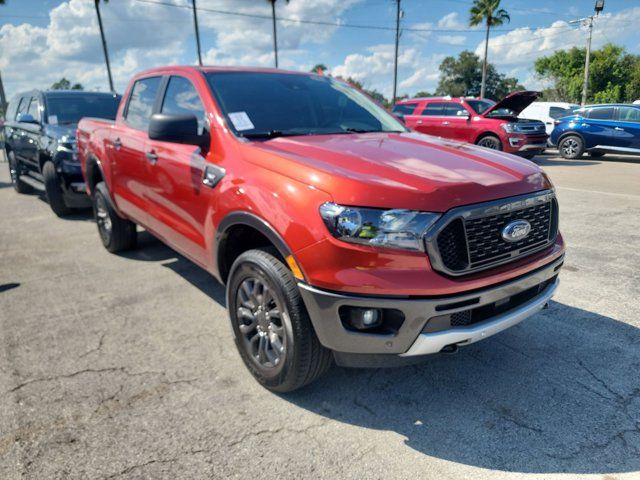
x=450, y=349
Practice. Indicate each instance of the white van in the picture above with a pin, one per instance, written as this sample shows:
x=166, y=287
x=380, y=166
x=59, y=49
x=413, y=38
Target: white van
x=547, y=112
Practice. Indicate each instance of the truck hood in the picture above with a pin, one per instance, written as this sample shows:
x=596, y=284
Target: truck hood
x=399, y=170
x=59, y=131
x=516, y=102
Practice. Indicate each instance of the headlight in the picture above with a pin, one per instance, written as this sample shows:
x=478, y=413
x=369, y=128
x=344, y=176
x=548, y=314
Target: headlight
x=509, y=127
x=396, y=228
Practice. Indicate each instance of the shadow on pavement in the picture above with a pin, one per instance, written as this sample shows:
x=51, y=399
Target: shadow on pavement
x=561, y=162
x=6, y=184
x=150, y=249
x=559, y=393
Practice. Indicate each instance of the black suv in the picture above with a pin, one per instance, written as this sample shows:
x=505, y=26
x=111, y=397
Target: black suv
x=40, y=130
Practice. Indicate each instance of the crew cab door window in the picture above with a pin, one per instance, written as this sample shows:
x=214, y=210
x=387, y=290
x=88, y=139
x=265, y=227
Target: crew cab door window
x=181, y=97
x=629, y=114
x=34, y=108
x=452, y=109
x=22, y=107
x=141, y=102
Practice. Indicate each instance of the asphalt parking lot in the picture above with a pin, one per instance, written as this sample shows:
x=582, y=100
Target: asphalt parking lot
x=124, y=366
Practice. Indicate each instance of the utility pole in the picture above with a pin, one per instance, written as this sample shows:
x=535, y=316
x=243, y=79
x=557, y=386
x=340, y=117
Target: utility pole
x=588, y=22
x=275, y=34
x=104, y=45
x=395, y=63
x=195, y=23
x=3, y=100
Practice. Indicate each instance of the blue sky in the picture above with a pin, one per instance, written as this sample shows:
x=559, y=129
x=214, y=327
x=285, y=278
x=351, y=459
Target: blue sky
x=42, y=40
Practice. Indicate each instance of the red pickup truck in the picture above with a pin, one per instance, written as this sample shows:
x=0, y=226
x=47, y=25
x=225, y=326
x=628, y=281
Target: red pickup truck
x=339, y=233
x=480, y=121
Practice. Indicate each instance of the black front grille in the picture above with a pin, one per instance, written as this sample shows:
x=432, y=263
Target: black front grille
x=469, y=244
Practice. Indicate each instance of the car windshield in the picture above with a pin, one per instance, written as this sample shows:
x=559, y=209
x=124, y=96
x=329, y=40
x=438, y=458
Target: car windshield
x=480, y=106
x=68, y=109
x=266, y=105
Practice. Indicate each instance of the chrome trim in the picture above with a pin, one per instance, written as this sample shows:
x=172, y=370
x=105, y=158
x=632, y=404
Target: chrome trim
x=428, y=343
x=617, y=149
x=533, y=146
x=480, y=210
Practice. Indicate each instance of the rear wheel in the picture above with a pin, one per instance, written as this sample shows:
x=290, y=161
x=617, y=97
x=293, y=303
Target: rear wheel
x=15, y=171
x=490, y=141
x=54, y=190
x=272, y=329
x=117, y=234
x=571, y=147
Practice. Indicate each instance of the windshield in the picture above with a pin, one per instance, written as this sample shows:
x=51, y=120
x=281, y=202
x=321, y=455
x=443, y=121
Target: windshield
x=480, y=106
x=66, y=109
x=265, y=105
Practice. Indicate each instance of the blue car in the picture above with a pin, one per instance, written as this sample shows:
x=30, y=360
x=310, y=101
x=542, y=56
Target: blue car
x=598, y=129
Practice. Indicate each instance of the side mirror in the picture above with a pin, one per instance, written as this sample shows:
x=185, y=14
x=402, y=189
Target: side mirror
x=463, y=114
x=26, y=118
x=176, y=128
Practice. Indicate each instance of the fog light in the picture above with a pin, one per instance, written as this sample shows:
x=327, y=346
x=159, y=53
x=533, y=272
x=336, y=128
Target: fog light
x=365, y=318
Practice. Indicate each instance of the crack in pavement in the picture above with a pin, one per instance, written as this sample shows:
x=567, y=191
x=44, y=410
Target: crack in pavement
x=276, y=431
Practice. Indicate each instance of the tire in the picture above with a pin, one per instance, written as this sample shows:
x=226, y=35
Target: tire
x=117, y=234
x=490, y=141
x=54, y=190
x=571, y=147
x=14, y=170
x=596, y=154
x=260, y=284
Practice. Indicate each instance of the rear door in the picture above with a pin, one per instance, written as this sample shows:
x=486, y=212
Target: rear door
x=178, y=200
x=629, y=127
x=131, y=169
x=17, y=135
x=431, y=119
x=32, y=134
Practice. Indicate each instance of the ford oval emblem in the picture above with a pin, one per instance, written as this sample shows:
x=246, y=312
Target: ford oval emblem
x=516, y=231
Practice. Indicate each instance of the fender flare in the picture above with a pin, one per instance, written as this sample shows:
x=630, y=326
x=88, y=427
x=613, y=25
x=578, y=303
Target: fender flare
x=93, y=162
x=251, y=220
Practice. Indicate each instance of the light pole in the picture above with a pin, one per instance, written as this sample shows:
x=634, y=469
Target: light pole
x=588, y=22
x=395, y=63
x=195, y=24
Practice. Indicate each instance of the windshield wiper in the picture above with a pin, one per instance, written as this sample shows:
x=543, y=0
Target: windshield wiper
x=271, y=134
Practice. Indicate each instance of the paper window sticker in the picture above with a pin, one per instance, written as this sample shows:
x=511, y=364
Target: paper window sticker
x=53, y=119
x=241, y=121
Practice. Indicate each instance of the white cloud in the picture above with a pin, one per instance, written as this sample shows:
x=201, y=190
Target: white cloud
x=375, y=69
x=69, y=46
x=451, y=21
x=523, y=46
x=451, y=39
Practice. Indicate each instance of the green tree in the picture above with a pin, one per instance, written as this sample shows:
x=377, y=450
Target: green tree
x=614, y=75
x=462, y=76
x=319, y=68
x=64, y=84
x=422, y=93
x=489, y=13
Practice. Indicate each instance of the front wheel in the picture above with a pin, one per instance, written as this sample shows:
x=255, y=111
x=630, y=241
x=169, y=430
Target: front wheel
x=272, y=329
x=490, y=141
x=571, y=147
x=117, y=234
x=54, y=190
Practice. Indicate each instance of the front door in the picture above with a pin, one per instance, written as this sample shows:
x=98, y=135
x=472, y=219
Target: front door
x=457, y=125
x=628, y=127
x=431, y=119
x=128, y=143
x=178, y=199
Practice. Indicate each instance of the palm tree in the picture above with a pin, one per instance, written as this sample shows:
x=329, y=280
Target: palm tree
x=489, y=13
x=104, y=43
x=275, y=34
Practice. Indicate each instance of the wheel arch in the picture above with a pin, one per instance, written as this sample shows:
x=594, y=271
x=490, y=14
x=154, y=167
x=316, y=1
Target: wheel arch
x=486, y=133
x=242, y=231
x=93, y=173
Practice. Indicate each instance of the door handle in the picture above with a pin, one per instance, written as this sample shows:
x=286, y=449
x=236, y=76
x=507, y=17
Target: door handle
x=212, y=175
x=117, y=144
x=151, y=157
x=619, y=129
x=445, y=123
x=419, y=122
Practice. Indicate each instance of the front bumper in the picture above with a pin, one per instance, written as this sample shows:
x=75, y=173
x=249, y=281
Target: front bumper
x=521, y=143
x=423, y=330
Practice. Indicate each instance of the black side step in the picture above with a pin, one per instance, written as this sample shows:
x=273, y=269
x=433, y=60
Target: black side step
x=38, y=185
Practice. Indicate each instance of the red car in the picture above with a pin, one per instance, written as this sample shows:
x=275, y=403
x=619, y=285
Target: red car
x=339, y=233
x=480, y=121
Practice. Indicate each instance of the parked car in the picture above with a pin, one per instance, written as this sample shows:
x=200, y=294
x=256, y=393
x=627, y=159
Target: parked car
x=480, y=121
x=40, y=142
x=599, y=129
x=338, y=232
x=548, y=112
